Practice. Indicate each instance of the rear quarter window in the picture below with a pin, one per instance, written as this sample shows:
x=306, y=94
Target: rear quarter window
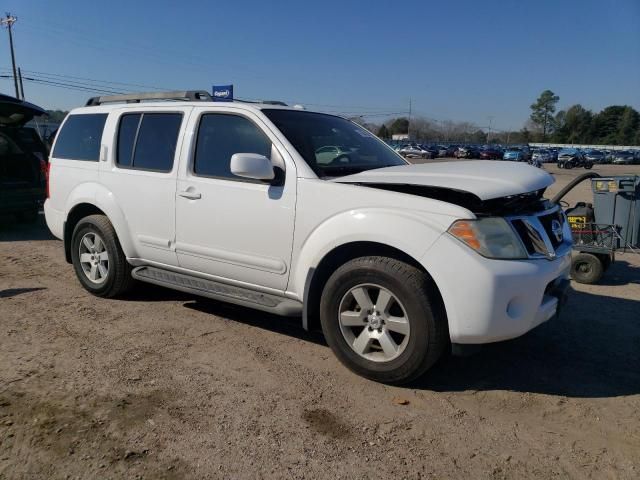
x=80, y=137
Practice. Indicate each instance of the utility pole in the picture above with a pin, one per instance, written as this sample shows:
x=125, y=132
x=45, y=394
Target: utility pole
x=409, y=124
x=490, y=117
x=21, y=84
x=8, y=21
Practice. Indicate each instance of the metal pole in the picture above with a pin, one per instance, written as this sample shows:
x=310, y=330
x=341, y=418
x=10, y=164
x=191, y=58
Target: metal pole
x=21, y=84
x=9, y=20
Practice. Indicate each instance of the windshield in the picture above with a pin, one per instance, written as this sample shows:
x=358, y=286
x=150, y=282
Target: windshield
x=332, y=146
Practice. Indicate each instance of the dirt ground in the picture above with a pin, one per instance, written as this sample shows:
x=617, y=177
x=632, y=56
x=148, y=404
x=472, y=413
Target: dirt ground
x=168, y=385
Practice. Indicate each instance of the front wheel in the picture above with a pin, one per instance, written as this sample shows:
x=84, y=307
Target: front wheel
x=588, y=165
x=383, y=319
x=99, y=262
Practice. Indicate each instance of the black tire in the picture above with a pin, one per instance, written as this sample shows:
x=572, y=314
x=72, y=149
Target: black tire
x=118, y=279
x=560, y=165
x=606, y=261
x=568, y=165
x=586, y=268
x=416, y=291
x=588, y=165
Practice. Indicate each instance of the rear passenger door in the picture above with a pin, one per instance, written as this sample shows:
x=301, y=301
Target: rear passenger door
x=141, y=175
x=227, y=226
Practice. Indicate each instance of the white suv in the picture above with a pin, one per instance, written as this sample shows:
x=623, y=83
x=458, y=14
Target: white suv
x=228, y=200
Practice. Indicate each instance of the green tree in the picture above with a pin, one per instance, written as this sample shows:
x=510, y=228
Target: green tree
x=399, y=125
x=383, y=131
x=542, y=112
x=606, y=124
x=56, y=115
x=628, y=126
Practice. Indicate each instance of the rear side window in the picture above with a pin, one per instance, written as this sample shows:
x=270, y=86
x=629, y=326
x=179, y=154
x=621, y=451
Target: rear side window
x=147, y=141
x=222, y=135
x=80, y=136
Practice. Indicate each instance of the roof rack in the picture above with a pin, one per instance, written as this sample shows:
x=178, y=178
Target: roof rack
x=190, y=95
x=263, y=102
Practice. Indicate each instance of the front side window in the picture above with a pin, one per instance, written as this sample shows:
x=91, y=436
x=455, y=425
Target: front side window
x=80, y=137
x=147, y=141
x=222, y=135
x=353, y=149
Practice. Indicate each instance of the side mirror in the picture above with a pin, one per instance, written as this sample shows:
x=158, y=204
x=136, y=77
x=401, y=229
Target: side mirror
x=252, y=165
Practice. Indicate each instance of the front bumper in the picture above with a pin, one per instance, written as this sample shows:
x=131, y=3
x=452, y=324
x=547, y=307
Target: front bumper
x=490, y=300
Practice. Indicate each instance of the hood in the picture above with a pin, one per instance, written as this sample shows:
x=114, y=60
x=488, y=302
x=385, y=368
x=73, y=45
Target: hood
x=15, y=112
x=482, y=178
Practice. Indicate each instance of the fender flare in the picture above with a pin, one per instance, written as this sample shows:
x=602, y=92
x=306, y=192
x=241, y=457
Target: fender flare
x=408, y=232
x=97, y=195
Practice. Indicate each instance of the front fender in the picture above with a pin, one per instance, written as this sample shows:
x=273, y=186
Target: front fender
x=407, y=231
x=97, y=195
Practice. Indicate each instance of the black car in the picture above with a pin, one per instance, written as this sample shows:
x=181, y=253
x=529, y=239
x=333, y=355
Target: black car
x=571, y=157
x=23, y=160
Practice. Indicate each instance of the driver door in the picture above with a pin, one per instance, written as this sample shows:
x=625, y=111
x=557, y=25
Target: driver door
x=230, y=227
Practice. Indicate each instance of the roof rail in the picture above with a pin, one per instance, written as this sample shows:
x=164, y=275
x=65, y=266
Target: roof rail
x=263, y=102
x=191, y=95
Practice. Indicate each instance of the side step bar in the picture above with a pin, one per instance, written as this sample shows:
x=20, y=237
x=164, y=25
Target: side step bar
x=218, y=290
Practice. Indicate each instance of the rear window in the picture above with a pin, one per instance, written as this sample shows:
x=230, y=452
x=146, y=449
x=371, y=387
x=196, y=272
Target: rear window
x=147, y=141
x=80, y=136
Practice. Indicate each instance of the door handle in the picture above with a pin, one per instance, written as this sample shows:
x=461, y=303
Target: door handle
x=190, y=194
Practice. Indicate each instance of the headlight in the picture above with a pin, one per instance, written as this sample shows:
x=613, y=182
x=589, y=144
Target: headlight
x=491, y=237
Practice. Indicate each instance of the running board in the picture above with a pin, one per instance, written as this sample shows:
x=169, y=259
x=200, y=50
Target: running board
x=218, y=290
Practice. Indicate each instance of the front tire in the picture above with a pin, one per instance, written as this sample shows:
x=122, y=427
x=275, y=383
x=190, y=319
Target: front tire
x=383, y=319
x=99, y=262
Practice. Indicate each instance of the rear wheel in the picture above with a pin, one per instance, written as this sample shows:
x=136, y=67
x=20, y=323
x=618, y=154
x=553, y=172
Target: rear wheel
x=98, y=259
x=588, y=165
x=586, y=268
x=383, y=319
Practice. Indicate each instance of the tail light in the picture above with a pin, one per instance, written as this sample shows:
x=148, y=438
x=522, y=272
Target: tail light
x=47, y=173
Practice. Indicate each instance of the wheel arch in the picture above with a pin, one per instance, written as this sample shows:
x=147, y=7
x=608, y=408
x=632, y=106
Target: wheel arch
x=317, y=277
x=84, y=209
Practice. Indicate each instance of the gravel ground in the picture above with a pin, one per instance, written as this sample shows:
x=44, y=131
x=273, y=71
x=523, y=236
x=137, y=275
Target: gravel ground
x=167, y=385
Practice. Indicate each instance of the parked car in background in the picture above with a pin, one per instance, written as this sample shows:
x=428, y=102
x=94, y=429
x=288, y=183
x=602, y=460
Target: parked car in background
x=516, y=154
x=624, y=157
x=596, y=156
x=467, y=152
x=542, y=156
x=23, y=160
x=415, y=151
x=445, y=151
x=490, y=153
x=572, y=157
x=328, y=154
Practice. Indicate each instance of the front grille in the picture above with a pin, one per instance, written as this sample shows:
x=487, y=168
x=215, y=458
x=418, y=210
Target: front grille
x=546, y=221
x=537, y=232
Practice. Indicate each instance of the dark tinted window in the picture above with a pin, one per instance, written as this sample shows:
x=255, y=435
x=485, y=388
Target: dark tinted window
x=127, y=137
x=79, y=138
x=308, y=131
x=148, y=141
x=219, y=137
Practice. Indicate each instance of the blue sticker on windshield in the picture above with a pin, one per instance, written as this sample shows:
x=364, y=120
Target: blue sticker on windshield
x=223, y=93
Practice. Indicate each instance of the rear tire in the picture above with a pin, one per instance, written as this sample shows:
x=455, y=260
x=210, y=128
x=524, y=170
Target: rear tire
x=412, y=316
x=99, y=262
x=586, y=268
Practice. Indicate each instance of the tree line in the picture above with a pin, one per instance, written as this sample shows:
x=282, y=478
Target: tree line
x=613, y=125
